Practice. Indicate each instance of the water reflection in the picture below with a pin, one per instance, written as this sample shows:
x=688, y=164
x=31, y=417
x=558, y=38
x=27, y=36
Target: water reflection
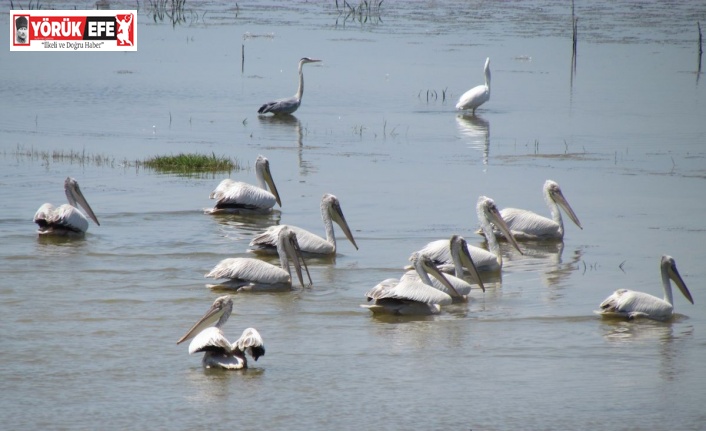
x=288, y=125
x=235, y=225
x=545, y=258
x=477, y=130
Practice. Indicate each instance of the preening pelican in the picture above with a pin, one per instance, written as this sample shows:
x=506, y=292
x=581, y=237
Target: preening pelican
x=66, y=219
x=461, y=259
x=631, y=304
x=291, y=104
x=410, y=296
x=485, y=260
x=248, y=274
x=526, y=225
x=309, y=242
x=218, y=351
x=238, y=197
x=478, y=95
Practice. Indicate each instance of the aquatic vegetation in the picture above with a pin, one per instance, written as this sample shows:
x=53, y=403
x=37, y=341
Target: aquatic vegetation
x=191, y=163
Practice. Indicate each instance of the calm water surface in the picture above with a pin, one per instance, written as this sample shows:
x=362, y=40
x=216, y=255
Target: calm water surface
x=89, y=326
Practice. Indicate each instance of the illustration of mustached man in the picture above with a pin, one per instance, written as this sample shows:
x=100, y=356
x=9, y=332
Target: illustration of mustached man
x=21, y=30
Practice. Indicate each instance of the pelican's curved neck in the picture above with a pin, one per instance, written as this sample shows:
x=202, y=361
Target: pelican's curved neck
x=283, y=258
x=423, y=275
x=328, y=225
x=667, y=286
x=70, y=196
x=493, y=245
x=487, y=79
x=300, y=90
x=554, y=209
x=224, y=317
x=259, y=174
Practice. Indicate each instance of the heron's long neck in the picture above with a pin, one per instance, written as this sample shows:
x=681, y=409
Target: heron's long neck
x=556, y=213
x=667, y=286
x=493, y=245
x=300, y=90
x=328, y=226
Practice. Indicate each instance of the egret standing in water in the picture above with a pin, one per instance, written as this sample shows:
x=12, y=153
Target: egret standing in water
x=478, y=95
x=526, y=225
x=236, y=197
x=631, y=304
x=291, y=104
x=67, y=219
x=218, y=352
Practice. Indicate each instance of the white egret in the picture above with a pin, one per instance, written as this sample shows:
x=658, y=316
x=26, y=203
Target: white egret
x=484, y=260
x=526, y=225
x=218, y=351
x=410, y=296
x=478, y=95
x=66, y=219
x=236, y=197
x=631, y=304
x=309, y=242
x=291, y=104
x=248, y=274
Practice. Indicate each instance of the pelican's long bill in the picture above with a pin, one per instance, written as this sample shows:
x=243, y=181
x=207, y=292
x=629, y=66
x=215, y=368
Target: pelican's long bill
x=73, y=193
x=340, y=219
x=432, y=270
x=467, y=262
x=562, y=202
x=212, y=315
x=495, y=218
x=297, y=258
x=271, y=183
x=676, y=278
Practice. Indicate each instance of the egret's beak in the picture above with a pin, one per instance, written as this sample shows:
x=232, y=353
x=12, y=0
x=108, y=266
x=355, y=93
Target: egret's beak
x=271, y=183
x=562, y=202
x=430, y=268
x=497, y=220
x=676, y=278
x=212, y=315
x=467, y=263
x=77, y=196
x=337, y=216
x=295, y=254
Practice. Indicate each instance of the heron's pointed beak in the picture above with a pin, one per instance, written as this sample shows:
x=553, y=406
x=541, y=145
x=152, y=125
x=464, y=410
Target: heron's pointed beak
x=497, y=220
x=676, y=278
x=562, y=202
x=337, y=215
x=81, y=200
x=271, y=184
x=430, y=268
x=212, y=315
x=467, y=263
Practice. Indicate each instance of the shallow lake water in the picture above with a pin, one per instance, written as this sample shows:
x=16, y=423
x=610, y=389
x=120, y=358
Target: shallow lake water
x=89, y=326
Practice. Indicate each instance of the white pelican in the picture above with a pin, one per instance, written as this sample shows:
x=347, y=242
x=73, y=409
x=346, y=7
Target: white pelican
x=66, y=219
x=485, y=260
x=631, y=304
x=291, y=104
x=238, y=197
x=309, y=242
x=526, y=225
x=218, y=352
x=478, y=95
x=410, y=296
x=461, y=258
x=248, y=274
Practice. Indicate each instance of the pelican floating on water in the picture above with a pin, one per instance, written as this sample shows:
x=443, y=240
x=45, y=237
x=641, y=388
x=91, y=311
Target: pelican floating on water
x=248, y=274
x=631, y=304
x=412, y=296
x=477, y=95
x=484, y=260
x=65, y=219
x=526, y=225
x=461, y=258
x=309, y=242
x=218, y=351
x=238, y=197
x=290, y=104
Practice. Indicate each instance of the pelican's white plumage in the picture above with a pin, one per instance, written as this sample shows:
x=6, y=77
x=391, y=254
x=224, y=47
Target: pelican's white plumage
x=526, y=225
x=66, y=219
x=248, y=274
x=484, y=260
x=239, y=197
x=289, y=104
x=218, y=351
x=412, y=296
x=478, y=95
x=631, y=304
x=461, y=258
x=309, y=242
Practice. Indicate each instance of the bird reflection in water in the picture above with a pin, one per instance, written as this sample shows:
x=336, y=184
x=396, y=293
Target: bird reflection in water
x=282, y=128
x=476, y=131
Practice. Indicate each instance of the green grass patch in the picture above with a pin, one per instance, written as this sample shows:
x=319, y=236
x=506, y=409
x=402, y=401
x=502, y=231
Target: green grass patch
x=192, y=163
